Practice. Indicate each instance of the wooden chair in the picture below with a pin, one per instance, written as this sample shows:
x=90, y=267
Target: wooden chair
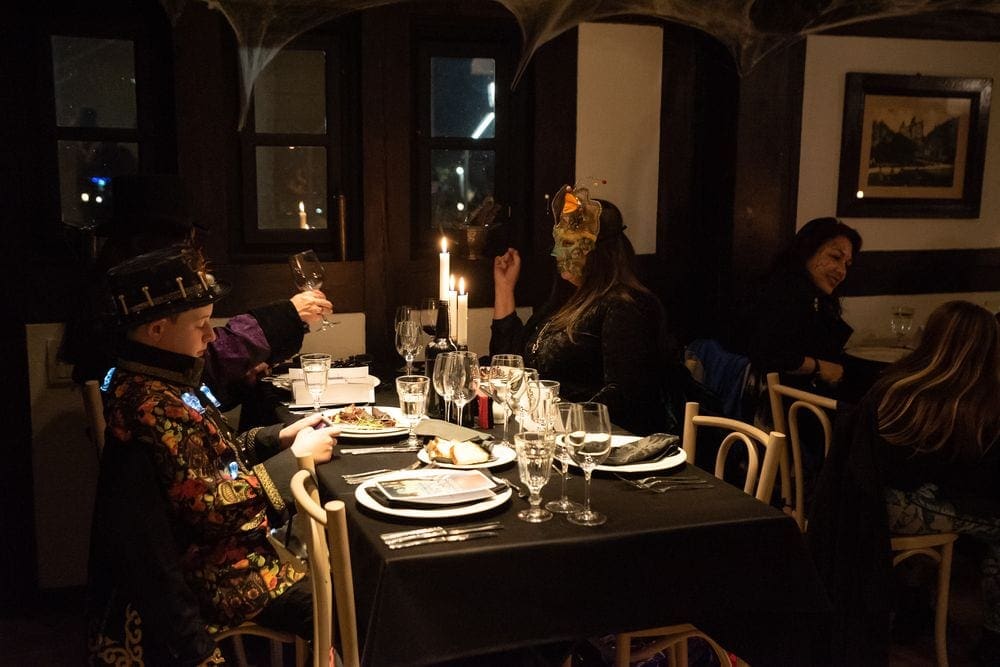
x=329, y=559
x=277, y=639
x=759, y=483
x=787, y=421
x=93, y=410
x=938, y=547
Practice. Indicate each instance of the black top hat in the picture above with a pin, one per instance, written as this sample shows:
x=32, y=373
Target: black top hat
x=150, y=204
x=161, y=283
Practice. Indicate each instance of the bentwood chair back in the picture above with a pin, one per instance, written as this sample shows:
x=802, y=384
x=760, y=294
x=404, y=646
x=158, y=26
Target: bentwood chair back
x=759, y=483
x=329, y=562
x=93, y=410
x=787, y=421
x=938, y=546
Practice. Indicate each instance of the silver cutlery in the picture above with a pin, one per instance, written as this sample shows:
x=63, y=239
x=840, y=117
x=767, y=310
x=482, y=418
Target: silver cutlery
x=442, y=538
x=437, y=531
x=359, y=477
x=662, y=484
x=380, y=450
x=521, y=493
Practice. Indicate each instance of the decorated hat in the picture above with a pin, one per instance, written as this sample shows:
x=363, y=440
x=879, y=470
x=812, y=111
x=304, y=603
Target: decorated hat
x=161, y=283
x=575, y=212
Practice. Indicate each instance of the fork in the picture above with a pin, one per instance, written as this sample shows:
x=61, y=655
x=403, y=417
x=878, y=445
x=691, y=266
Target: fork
x=359, y=477
x=655, y=484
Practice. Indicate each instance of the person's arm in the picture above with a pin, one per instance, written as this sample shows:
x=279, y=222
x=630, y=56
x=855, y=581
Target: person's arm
x=506, y=270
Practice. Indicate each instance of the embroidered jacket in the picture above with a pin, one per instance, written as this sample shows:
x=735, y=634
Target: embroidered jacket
x=179, y=544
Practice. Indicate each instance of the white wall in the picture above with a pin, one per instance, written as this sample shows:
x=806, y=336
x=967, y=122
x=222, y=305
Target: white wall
x=828, y=60
x=620, y=69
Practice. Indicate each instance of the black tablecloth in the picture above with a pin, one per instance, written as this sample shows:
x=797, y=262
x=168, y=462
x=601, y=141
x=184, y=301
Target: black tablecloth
x=716, y=557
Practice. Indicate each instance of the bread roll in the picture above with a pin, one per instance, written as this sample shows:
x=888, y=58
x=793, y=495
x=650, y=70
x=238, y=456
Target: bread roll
x=468, y=453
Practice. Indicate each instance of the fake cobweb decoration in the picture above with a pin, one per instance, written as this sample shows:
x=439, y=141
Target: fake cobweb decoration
x=750, y=29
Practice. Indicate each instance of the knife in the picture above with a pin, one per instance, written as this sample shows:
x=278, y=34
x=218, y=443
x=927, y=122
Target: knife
x=441, y=538
x=435, y=531
x=380, y=450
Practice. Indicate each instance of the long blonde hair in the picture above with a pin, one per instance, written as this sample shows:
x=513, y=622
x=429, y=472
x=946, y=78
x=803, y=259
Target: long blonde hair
x=946, y=394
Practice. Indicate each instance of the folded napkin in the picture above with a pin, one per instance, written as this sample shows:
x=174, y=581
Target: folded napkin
x=376, y=494
x=447, y=430
x=643, y=449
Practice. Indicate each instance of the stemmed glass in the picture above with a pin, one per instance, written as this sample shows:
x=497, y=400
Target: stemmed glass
x=901, y=323
x=428, y=315
x=523, y=397
x=442, y=363
x=534, y=465
x=407, y=335
x=308, y=274
x=505, y=370
x=412, y=390
x=588, y=439
x=463, y=379
x=315, y=368
x=559, y=418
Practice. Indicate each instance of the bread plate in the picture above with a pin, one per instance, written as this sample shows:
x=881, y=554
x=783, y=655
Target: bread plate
x=655, y=465
x=499, y=455
x=365, y=500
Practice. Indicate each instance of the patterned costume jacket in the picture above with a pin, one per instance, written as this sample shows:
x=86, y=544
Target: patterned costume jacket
x=179, y=544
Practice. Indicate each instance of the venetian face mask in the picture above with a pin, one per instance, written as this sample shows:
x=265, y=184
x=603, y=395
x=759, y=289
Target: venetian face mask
x=575, y=231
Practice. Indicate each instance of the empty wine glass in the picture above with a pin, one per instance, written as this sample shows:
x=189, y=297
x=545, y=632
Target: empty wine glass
x=412, y=390
x=407, y=335
x=504, y=370
x=901, y=323
x=523, y=397
x=558, y=421
x=534, y=465
x=308, y=274
x=316, y=369
x=463, y=379
x=442, y=364
x=588, y=439
x=548, y=394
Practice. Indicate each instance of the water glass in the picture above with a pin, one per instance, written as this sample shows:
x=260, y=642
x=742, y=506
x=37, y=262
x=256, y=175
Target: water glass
x=558, y=419
x=588, y=439
x=316, y=369
x=901, y=323
x=534, y=465
x=412, y=390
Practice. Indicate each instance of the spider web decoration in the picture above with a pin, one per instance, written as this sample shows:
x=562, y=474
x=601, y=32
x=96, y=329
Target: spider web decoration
x=750, y=29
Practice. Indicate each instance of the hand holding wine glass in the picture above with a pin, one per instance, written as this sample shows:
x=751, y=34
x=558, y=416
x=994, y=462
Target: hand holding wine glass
x=308, y=274
x=589, y=442
x=316, y=369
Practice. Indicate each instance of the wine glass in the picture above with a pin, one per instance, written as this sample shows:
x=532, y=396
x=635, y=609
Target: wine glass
x=523, y=397
x=504, y=370
x=442, y=363
x=463, y=378
x=407, y=335
x=428, y=315
x=558, y=421
x=412, y=390
x=901, y=323
x=588, y=439
x=316, y=369
x=308, y=274
x=534, y=465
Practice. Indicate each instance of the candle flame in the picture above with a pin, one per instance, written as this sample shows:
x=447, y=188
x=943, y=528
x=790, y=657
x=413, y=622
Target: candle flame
x=461, y=285
x=451, y=283
x=302, y=207
x=444, y=244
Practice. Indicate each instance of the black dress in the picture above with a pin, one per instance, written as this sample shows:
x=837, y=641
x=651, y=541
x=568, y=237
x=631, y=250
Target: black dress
x=617, y=355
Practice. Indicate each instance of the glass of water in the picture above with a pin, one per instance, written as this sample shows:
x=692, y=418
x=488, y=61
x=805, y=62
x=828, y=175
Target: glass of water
x=534, y=464
x=588, y=439
x=316, y=369
x=412, y=390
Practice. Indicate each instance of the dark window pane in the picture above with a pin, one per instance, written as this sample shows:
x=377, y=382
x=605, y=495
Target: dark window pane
x=463, y=91
x=86, y=174
x=460, y=180
x=291, y=187
x=290, y=94
x=94, y=82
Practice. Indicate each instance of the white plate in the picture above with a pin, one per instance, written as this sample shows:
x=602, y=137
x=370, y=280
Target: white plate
x=666, y=463
x=882, y=354
x=499, y=456
x=347, y=431
x=361, y=495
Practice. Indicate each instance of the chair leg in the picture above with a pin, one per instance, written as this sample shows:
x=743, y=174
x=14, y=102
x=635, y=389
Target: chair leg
x=623, y=643
x=941, y=610
x=301, y=652
x=239, y=651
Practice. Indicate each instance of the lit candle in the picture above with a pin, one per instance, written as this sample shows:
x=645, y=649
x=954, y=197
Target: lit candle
x=452, y=307
x=444, y=269
x=462, y=335
x=303, y=224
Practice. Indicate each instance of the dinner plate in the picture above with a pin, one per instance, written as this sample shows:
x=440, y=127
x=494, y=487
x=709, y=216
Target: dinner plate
x=361, y=495
x=348, y=431
x=880, y=353
x=665, y=463
x=499, y=456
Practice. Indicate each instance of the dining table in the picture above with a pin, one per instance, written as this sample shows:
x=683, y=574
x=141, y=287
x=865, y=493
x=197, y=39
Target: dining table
x=713, y=556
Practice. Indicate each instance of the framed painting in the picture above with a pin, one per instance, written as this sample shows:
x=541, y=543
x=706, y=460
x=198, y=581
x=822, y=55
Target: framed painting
x=913, y=146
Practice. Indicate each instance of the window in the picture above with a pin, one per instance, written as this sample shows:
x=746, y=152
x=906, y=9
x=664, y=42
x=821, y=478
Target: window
x=94, y=86
x=298, y=144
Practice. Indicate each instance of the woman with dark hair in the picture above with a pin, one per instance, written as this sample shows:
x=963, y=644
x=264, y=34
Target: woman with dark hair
x=937, y=427
x=796, y=327
x=602, y=334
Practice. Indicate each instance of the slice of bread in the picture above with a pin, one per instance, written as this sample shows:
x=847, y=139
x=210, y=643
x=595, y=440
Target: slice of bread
x=456, y=452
